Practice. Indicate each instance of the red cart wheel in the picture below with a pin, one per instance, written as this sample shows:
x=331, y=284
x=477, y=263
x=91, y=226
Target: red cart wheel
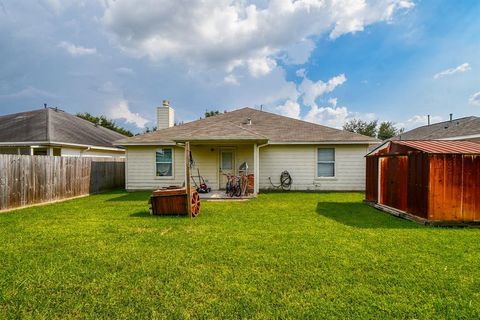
x=195, y=204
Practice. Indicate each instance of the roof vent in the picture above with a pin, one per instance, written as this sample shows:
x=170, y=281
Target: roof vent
x=451, y=117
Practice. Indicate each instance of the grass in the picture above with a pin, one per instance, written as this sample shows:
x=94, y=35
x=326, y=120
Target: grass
x=289, y=255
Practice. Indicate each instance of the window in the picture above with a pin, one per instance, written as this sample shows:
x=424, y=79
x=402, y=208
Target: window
x=24, y=150
x=164, y=162
x=326, y=162
x=8, y=150
x=40, y=152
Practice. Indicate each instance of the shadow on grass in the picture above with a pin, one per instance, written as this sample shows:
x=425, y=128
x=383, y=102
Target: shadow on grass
x=133, y=196
x=146, y=214
x=360, y=215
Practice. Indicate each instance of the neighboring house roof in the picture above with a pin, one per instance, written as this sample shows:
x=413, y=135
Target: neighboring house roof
x=463, y=128
x=52, y=126
x=233, y=125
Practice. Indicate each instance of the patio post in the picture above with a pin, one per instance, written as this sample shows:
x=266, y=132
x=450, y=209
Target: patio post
x=256, y=168
x=187, y=179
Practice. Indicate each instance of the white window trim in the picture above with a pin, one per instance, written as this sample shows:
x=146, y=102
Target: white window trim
x=173, y=163
x=334, y=177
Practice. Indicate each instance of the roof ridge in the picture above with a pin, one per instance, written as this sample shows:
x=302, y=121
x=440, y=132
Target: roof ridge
x=440, y=128
x=230, y=122
x=446, y=121
x=91, y=123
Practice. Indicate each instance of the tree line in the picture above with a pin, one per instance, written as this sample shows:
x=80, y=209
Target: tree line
x=385, y=130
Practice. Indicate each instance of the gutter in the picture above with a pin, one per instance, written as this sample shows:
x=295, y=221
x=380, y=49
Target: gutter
x=86, y=150
x=58, y=144
x=158, y=143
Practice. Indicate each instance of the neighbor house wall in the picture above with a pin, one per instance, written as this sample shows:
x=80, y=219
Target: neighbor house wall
x=301, y=162
x=81, y=152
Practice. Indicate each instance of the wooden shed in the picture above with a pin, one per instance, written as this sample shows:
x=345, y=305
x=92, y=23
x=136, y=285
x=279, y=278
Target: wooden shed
x=429, y=180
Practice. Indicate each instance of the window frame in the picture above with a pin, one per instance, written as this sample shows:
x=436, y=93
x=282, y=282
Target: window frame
x=318, y=161
x=172, y=163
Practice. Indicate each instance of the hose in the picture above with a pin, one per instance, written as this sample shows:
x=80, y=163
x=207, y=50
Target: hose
x=285, y=181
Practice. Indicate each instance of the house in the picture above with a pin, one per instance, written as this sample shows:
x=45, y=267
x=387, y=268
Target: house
x=429, y=181
x=467, y=128
x=50, y=131
x=317, y=157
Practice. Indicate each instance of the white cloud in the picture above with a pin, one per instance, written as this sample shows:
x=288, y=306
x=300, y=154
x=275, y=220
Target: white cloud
x=57, y=7
x=122, y=111
x=260, y=66
x=28, y=92
x=335, y=116
x=300, y=73
x=75, y=50
x=290, y=109
x=298, y=53
x=107, y=88
x=237, y=34
x=333, y=102
x=124, y=71
x=332, y=117
x=461, y=68
x=310, y=90
x=475, y=99
x=231, y=79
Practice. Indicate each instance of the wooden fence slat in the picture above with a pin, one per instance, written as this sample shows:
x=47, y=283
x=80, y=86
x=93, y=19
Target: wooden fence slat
x=27, y=180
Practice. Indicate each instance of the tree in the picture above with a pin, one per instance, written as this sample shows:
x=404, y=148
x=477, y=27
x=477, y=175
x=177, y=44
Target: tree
x=104, y=122
x=387, y=130
x=362, y=127
x=211, y=113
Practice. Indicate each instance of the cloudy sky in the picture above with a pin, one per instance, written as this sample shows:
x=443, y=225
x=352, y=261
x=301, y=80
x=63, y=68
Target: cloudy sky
x=324, y=61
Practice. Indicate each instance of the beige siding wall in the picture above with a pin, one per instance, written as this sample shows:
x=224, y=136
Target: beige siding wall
x=207, y=161
x=140, y=168
x=300, y=161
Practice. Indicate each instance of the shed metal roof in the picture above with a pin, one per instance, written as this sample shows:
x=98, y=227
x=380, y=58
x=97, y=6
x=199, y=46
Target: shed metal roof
x=442, y=146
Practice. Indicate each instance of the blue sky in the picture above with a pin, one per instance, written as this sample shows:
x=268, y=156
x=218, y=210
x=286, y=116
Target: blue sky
x=326, y=62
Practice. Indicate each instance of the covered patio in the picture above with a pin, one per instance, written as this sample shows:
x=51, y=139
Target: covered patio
x=220, y=195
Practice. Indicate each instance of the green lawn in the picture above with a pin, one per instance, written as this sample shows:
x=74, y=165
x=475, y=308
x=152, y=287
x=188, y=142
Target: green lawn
x=292, y=255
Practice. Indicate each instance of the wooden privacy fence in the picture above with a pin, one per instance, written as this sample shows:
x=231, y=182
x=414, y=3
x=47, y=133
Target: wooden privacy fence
x=27, y=180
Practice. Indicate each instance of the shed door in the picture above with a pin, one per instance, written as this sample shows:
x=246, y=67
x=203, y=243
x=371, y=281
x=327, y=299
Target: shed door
x=393, y=178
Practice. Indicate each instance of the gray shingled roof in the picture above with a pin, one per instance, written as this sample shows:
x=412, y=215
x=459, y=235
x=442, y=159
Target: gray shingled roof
x=443, y=130
x=54, y=126
x=265, y=126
